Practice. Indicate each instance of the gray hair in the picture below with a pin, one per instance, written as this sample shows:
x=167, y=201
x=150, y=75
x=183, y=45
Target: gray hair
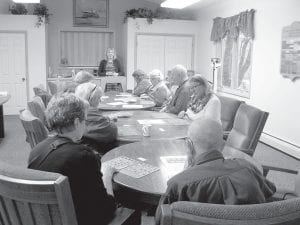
x=156, y=74
x=63, y=109
x=202, y=81
x=83, y=77
x=89, y=92
x=180, y=73
x=140, y=74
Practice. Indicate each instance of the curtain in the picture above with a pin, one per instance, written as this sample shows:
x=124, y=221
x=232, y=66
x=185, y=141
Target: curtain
x=233, y=26
x=237, y=31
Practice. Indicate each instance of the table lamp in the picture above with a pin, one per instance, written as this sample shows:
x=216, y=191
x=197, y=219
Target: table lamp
x=215, y=65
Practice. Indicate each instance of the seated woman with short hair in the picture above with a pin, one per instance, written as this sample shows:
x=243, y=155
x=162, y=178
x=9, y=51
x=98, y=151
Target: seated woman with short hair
x=63, y=154
x=159, y=92
x=203, y=103
x=101, y=132
x=142, y=81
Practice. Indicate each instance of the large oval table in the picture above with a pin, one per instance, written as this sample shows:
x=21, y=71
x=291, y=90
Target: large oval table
x=148, y=189
x=3, y=99
x=163, y=125
x=113, y=101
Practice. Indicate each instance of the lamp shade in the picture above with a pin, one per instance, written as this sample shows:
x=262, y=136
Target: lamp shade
x=27, y=1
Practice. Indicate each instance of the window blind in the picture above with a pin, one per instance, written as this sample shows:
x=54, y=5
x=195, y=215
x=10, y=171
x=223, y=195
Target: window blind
x=82, y=48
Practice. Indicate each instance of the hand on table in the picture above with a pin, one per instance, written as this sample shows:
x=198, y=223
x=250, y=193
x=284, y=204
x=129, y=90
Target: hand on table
x=181, y=115
x=108, y=174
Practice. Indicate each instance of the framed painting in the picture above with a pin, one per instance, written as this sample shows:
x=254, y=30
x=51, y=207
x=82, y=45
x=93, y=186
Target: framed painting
x=90, y=13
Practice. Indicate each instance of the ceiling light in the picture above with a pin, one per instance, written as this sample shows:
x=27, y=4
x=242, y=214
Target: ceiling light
x=26, y=1
x=177, y=4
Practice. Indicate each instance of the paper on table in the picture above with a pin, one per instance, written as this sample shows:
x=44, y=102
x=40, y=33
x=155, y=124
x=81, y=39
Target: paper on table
x=115, y=103
x=174, y=164
x=123, y=95
x=132, y=106
x=156, y=121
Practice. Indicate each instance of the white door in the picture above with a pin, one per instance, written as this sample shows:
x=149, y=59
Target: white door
x=13, y=70
x=178, y=50
x=150, y=53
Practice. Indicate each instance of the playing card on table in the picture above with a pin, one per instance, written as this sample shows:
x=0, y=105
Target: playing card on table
x=139, y=170
x=120, y=162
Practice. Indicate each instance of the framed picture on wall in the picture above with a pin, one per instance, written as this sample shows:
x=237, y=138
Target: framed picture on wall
x=90, y=13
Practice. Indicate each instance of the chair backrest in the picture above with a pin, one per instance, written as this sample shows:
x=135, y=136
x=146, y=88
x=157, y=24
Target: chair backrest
x=229, y=107
x=52, y=87
x=285, y=212
x=34, y=128
x=42, y=93
x=247, y=128
x=34, y=197
x=113, y=87
x=37, y=108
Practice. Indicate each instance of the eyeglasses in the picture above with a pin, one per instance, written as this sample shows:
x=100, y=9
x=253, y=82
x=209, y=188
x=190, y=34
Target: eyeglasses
x=92, y=92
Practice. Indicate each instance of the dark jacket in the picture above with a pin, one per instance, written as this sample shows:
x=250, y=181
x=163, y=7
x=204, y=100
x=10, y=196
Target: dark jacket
x=180, y=100
x=102, y=67
x=219, y=181
x=101, y=133
x=81, y=165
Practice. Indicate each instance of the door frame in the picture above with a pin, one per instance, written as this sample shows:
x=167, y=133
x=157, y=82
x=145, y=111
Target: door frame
x=26, y=55
x=164, y=35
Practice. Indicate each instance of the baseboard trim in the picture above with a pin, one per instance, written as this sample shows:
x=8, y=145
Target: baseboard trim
x=281, y=145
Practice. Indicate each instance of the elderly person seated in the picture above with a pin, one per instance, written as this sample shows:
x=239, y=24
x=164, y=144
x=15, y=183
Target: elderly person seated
x=101, y=132
x=159, y=92
x=209, y=178
x=80, y=78
x=111, y=65
x=179, y=101
x=142, y=81
x=203, y=103
x=63, y=154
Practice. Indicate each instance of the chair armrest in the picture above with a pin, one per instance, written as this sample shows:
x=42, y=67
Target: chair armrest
x=166, y=215
x=266, y=169
x=125, y=216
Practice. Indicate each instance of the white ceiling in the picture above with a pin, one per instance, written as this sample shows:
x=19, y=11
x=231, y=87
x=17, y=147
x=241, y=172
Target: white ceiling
x=200, y=4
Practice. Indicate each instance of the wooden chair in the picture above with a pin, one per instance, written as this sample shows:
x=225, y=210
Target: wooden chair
x=34, y=128
x=285, y=212
x=33, y=197
x=37, y=108
x=42, y=93
x=247, y=128
x=52, y=87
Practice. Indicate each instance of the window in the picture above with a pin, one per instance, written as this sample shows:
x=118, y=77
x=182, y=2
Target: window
x=234, y=75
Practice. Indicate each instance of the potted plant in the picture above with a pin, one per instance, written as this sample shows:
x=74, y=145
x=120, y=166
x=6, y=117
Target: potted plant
x=18, y=9
x=42, y=13
x=140, y=13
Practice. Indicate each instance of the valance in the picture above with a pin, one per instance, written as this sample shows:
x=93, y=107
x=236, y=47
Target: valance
x=232, y=26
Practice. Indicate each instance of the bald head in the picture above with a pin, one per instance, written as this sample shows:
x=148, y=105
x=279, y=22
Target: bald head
x=178, y=75
x=206, y=135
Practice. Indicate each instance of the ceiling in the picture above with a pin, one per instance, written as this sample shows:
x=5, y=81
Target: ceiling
x=197, y=5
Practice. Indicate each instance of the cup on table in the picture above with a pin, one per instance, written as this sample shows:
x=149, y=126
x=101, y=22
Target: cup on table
x=146, y=130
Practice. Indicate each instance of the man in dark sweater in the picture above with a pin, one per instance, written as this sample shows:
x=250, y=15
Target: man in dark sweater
x=66, y=115
x=209, y=178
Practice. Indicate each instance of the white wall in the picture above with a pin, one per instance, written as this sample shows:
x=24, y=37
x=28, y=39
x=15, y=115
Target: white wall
x=36, y=46
x=270, y=91
x=135, y=26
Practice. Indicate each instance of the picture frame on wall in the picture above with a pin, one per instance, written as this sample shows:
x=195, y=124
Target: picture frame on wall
x=93, y=13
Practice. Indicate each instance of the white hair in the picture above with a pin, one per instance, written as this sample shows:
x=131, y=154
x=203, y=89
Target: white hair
x=156, y=74
x=83, y=77
x=89, y=92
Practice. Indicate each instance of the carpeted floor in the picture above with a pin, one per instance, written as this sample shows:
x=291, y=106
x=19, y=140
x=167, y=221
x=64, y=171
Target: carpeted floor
x=15, y=150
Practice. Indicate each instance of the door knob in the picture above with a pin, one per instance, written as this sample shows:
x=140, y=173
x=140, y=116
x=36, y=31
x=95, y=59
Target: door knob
x=23, y=79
